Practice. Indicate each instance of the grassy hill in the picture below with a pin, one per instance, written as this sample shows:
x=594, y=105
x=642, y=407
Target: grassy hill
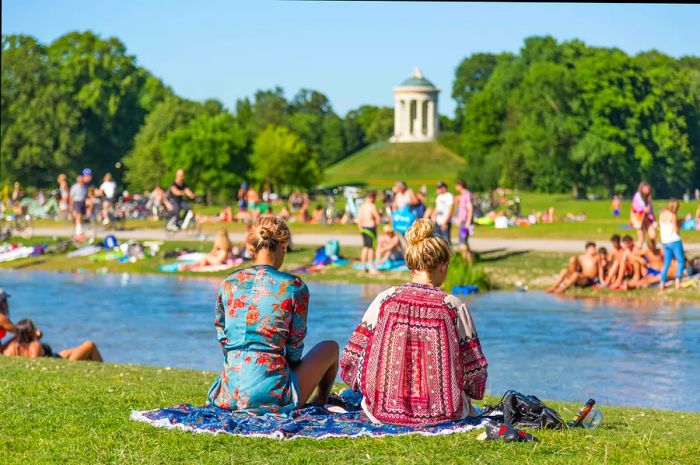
x=383, y=163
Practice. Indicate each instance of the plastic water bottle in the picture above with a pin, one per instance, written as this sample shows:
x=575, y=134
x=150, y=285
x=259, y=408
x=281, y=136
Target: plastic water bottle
x=593, y=419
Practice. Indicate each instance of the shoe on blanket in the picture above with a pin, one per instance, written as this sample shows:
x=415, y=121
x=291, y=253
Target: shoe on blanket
x=506, y=433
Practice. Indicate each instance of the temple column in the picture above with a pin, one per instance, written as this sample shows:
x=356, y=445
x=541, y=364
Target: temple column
x=397, y=117
x=418, y=124
x=431, y=119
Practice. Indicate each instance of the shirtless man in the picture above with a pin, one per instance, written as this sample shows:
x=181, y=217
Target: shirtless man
x=389, y=246
x=614, y=260
x=650, y=261
x=628, y=265
x=582, y=271
x=367, y=220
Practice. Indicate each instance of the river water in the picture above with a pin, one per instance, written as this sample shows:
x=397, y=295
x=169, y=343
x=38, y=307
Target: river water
x=619, y=352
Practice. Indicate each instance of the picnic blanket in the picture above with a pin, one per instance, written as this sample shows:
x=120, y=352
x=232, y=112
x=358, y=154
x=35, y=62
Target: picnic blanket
x=175, y=266
x=389, y=265
x=14, y=254
x=308, y=422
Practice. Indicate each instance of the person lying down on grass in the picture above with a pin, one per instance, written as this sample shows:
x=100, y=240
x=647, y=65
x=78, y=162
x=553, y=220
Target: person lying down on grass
x=26, y=343
x=416, y=356
x=221, y=252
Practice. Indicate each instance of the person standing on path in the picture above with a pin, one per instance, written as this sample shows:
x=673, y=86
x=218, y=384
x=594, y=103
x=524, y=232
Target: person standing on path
x=465, y=218
x=442, y=215
x=78, y=198
x=368, y=219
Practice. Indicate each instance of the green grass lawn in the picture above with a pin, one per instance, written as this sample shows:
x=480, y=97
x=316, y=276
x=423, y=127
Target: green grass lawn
x=54, y=411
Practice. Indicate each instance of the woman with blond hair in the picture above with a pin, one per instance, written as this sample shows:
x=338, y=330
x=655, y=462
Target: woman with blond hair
x=221, y=252
x=416, y=356
x=671, y=242
x=260, y=320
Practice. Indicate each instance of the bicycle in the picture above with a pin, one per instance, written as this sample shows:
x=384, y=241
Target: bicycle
x=19, y=221
x=187, y=225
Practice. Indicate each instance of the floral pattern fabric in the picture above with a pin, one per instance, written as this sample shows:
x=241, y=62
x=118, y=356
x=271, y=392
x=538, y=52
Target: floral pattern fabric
x=309, y=422
x=260, y=321
x=415, y=357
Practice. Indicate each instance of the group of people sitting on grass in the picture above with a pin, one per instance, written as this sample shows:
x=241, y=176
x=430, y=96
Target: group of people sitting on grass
x=405, y=378
x=630, y=265
x=26, y=339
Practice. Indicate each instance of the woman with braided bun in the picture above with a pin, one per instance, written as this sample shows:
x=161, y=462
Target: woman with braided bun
x=260, y=320
x=416, y=357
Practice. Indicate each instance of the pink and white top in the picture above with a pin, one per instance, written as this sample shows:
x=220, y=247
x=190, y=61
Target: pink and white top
x=464, y=199
x=415, y=357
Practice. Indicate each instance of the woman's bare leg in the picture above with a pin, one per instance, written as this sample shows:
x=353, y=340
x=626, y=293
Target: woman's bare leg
x=317, y=369
x=85, y=351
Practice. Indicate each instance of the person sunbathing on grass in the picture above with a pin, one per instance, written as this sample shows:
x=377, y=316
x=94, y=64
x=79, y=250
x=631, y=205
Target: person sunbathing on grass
x=627, y=259
x=604, y=266
x=26, y=343
x=416, y=356
x=649, y=262
x=260, y=320
x=581, y=272
x=221, y=252
x=615, y=259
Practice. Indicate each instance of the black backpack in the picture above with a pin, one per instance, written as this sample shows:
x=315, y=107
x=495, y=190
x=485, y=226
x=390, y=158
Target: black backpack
x=524, y=411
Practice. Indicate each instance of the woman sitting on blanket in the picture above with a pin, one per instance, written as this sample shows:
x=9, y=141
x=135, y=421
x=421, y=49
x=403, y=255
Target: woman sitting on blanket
x=26, y=343
x=221, y=252
x=416, y=356
x=260, y=320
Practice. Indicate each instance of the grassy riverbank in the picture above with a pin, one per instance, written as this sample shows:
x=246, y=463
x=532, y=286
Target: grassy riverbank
x=56, y=411
x=506, y=270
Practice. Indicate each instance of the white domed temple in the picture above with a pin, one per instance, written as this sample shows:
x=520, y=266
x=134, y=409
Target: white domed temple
x=415, y=110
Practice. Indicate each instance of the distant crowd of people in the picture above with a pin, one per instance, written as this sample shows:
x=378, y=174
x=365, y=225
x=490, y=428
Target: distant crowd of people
x=634, y=263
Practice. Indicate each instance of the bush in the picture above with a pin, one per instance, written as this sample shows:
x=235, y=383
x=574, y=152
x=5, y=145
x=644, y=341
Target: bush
x=462, y=273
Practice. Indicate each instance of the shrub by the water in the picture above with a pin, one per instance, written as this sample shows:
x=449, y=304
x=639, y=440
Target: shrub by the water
x=462, y=273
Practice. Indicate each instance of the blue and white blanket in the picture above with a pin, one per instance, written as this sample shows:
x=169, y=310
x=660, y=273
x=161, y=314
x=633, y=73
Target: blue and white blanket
x=308, y=422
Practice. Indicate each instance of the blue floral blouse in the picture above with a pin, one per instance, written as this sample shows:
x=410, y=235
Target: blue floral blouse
x=260, y=321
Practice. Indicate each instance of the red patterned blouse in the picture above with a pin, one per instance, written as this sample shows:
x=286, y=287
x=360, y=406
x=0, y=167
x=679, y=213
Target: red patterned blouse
x=415, y=357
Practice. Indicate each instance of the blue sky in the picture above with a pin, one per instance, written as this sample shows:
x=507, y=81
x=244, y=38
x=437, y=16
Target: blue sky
x=353, y=52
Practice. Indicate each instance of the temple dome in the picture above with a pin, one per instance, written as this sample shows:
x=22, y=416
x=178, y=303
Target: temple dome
x=417, y=80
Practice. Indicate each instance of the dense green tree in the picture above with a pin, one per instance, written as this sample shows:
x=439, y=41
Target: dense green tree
x=145, y=167
x=269, y=107
x=77, y=102
x=567, y=116
x=107, y=88
x=282, y=158
x=39, y=124
x=212, y=151
x=471, y=76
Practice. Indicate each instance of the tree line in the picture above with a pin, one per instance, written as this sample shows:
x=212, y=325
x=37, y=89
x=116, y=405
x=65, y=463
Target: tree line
x=83, y=101
x=565, y=116
x=554, y=117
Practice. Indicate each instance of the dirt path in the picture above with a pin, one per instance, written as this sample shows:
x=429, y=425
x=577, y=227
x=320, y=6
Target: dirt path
x=478, y=243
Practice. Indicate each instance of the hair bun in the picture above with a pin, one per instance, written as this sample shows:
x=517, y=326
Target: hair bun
x=266, y=233
x=419, y=231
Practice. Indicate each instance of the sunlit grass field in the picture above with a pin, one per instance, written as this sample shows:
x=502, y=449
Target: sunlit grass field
x=54, y=411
